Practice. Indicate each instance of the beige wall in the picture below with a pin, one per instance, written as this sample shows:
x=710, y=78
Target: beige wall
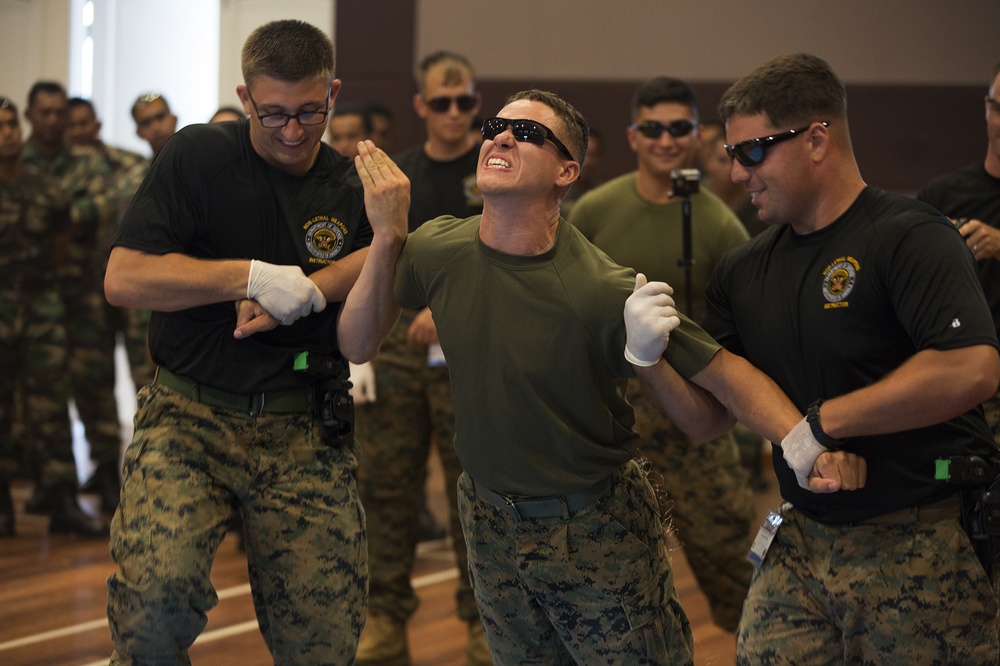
x=866, y=41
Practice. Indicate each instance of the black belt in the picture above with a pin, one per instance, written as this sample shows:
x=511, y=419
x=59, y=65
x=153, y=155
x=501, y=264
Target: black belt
x=520, y=508
x=950, y=507
x=291, y=401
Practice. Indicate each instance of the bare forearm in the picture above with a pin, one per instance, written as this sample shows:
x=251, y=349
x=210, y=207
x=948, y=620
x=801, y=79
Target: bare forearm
x=337, y=279
x=751, y=396
x=931, y=387
x=172, y=282
x=692, y=409
x=370, y=309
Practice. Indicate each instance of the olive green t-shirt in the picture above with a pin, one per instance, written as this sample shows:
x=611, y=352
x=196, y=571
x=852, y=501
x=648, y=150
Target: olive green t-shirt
x=535, y=350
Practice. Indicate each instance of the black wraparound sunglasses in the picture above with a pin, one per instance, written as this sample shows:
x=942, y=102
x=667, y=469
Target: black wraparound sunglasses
x=654, y=129
x=442, y=104
x=530, y=131
x=753, y=151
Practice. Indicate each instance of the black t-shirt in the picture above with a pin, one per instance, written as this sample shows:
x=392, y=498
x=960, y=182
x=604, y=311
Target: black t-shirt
x=209, y=195
x=833, y=311
x=973, y=193
x=440, y=188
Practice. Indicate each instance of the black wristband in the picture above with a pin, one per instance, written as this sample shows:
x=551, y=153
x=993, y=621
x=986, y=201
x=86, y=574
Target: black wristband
x=812, y=418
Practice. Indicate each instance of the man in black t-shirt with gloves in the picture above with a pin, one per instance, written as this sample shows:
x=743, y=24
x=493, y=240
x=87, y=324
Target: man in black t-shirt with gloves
x=241, y=240
x=864, y=307
x=970, y=196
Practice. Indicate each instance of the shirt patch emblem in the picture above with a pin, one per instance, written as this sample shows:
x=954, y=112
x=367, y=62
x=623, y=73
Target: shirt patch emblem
x=325, y=236
x=839, y=279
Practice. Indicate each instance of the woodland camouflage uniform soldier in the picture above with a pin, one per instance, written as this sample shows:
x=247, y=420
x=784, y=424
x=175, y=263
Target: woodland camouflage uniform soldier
x=80, y=174
x=124, y=170
x=33, y=237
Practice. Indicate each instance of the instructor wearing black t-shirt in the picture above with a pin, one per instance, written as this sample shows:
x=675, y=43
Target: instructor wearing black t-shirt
x=970, y=196
x=242, y=240
x=864, y=307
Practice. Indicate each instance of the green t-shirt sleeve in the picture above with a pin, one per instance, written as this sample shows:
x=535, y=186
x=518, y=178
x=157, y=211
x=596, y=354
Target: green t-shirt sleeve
x=690, y=348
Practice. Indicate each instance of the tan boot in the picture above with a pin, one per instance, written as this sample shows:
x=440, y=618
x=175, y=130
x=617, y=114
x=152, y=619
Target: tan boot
x=477, y=652
x=383, y=643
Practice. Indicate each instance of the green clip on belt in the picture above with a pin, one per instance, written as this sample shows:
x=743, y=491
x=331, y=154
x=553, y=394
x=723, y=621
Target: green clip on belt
x=291, y=401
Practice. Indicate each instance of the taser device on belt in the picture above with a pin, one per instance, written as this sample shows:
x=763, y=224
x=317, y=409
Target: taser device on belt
x=764, y=538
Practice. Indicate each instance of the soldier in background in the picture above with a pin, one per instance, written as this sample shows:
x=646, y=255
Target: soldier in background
x=154, y=122
x=34, y=222
x=127, y=170
x=413, y=409
x=637, y=219
x=81, y=175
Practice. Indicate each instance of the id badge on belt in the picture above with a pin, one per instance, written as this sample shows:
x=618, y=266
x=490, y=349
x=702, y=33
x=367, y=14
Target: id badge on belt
x=764, y=537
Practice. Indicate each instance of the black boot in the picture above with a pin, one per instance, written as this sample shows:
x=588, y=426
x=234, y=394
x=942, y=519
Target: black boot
x=428, y=528
x=40, y=503
x=69, y=518
x=6, y=510
x=106, y=482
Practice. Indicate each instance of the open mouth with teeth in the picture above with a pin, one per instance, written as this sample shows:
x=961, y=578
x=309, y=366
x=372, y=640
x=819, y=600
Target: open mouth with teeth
x=498, y=162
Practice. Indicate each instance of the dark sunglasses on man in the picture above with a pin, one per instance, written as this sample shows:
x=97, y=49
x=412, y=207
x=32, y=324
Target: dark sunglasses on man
x=753, y=151
x=530, y=131
x=654, y=129
x=443, y=104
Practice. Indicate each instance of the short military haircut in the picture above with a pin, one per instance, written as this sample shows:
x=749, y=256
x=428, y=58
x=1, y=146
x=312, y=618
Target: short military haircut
x=7, y=103
x=574, y=124
x=289, y=51
x=148, y=98
x=789, y=90
x=354, y=110
x=47, y=87
x=457, y=68
x=664, y=90
x=77, y=102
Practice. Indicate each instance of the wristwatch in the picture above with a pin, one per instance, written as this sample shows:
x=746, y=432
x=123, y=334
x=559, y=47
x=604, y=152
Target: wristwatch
x=812, y=418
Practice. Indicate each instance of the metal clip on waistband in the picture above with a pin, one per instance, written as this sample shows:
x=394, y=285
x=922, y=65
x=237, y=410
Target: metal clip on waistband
x=520, y=508
x=292, y=401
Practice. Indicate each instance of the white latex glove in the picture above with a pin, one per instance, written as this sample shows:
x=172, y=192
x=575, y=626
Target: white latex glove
x=650, y=316
x=362, y=383
x=800, y=450
x=284, y=291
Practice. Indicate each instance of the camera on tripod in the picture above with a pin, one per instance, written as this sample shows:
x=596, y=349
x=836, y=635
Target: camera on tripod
x=685, y=182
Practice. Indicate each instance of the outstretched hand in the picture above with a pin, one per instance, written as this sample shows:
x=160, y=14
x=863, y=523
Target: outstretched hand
x=387, y=190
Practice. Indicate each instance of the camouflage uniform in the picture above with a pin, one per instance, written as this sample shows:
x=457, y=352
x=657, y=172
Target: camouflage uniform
x=32, y=337
x=600, y=603
x=186, y=469
x=126, y=169
x=414, y=408
x=713, y=521
x=823, y=585
x=708, y=492
x=80, y=174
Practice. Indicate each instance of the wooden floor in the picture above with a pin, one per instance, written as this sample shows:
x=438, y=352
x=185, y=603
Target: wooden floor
x=53, y=595
x=52, y=601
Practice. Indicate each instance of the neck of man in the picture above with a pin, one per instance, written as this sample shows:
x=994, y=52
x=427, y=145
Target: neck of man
x=445, y=151
x=992, y=164
x=10, y=168
x=45, y=149
x=839, y=190
x=512, y=227
x=654, y=188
